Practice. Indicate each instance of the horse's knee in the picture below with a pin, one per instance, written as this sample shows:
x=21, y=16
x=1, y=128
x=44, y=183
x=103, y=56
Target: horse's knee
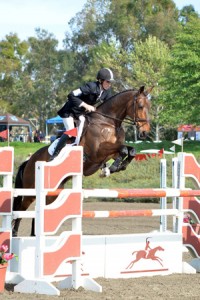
x=126, y=154
x=131, y=151
x=127, y=151
x=123, y=151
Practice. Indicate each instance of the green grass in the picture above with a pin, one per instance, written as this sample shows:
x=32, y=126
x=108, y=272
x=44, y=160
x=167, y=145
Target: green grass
x=188, y=146
x=23, y=149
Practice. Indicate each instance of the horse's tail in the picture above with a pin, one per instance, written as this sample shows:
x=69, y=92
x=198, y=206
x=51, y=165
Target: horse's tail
x=19, y=184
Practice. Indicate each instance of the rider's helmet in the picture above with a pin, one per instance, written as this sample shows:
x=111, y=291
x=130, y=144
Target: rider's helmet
x=105, y=74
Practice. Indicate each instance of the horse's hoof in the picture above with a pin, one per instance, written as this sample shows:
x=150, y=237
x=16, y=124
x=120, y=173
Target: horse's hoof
x=14, y=233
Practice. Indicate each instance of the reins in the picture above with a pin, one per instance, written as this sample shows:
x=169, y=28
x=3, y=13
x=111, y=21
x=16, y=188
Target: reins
x=126, y=120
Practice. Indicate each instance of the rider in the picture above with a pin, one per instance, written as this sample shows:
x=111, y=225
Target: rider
x=81, y=101
x=147, y=247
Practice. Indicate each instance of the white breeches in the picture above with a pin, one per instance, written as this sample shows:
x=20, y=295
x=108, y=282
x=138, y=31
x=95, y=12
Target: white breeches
x=69, y=124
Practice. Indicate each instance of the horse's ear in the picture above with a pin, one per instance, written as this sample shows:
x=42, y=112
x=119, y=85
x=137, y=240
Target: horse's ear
x=149, y=90
x=141, y=89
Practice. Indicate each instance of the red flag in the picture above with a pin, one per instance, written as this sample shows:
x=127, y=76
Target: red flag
x=4, y=134
x=161, y=151
x=72, y=132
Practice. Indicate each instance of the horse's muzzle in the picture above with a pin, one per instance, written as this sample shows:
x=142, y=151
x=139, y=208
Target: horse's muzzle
x=142, y=135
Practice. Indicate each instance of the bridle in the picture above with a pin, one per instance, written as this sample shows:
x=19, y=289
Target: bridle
x=127, y=120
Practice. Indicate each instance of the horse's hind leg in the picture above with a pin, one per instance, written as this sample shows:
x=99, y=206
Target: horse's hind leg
x=33, y=227
x=15, y=226
x=131, y=264
x=17, y=202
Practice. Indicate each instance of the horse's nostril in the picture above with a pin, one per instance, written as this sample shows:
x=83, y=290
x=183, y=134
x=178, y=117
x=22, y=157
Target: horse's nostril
x=142, y=135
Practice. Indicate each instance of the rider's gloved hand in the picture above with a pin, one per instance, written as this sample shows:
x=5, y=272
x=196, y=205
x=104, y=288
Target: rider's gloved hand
x=88, y=107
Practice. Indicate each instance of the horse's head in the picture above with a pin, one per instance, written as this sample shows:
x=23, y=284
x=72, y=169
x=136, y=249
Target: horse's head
x=139, y=112
x=160, y=248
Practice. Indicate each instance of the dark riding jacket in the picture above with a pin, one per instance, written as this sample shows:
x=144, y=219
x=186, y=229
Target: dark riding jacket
x=90, y=93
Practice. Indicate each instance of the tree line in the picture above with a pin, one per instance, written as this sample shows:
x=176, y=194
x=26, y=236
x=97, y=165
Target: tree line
x=144, y=42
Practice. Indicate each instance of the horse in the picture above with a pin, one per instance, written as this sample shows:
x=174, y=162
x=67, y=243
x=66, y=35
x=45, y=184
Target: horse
x=146, y=255
x=102, y=139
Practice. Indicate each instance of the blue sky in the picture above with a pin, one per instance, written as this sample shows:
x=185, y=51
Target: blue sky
x=23, y=16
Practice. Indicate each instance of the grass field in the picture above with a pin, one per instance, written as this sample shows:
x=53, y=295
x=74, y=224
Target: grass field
x=23, y=149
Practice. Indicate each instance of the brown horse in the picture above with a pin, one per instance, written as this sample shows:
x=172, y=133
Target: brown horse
x=102, y=139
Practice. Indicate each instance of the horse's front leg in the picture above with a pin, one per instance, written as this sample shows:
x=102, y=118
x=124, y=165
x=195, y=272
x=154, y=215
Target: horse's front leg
x=123, y=152
x=105, y=170
x=128, y=159
x=157, y=259
x=127, y=154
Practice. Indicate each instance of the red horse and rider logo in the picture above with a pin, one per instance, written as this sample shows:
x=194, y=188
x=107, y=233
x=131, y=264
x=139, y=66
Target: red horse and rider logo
x=147, y=253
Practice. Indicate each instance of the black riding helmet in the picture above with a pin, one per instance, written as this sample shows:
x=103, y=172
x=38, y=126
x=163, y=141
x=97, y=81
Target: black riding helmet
x=105, y=74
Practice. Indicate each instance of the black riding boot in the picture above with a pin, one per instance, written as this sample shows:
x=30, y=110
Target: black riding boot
x=62, y=142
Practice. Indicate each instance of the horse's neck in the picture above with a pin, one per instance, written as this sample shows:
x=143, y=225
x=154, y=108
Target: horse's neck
x=115, y=107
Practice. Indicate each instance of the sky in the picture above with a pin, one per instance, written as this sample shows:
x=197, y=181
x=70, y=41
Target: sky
x=24, y=16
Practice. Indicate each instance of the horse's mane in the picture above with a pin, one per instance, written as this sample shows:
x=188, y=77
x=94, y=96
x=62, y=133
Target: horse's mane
x=117, y=94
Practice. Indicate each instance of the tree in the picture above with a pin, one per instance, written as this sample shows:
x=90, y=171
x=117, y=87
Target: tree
x=86, y=26
x=42, y=78
x=111, y=56
x=122, y=22
x=182, y=79
x=149, y=62
x=12, y=53
x=186, y=12
x=136, y=20
x=104, y=34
